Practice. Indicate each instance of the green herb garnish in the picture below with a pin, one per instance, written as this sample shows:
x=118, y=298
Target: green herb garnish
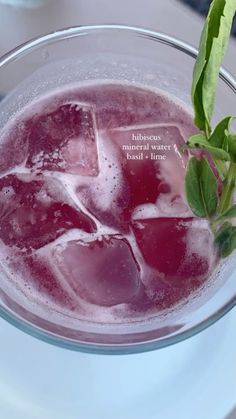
x=201, y=180
x=201, y=188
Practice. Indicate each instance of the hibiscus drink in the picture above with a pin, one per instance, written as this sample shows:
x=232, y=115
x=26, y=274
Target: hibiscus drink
x=94, y=222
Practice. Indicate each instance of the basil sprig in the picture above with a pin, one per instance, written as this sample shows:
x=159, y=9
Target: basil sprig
x=201, y=180
x=213, y=42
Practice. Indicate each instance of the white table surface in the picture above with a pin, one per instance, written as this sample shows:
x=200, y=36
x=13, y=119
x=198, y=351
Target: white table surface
x=195, y=379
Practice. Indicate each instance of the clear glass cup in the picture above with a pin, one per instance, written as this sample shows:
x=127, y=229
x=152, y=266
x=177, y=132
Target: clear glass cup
x=131, y=55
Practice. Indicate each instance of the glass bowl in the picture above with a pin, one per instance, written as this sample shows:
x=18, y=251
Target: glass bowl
x=126, y=54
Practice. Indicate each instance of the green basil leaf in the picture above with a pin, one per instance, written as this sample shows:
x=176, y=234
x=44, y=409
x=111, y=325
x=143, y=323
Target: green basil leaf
x=225, y=239
x=230, y=213
x=213, y=42
x=221, y=168
x=201, y=188
x=228, y=189
x=217, y=138
x=231, y=145
x=198, y=75
x=200, y=141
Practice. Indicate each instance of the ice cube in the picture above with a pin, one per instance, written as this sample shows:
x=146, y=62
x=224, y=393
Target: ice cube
x=33, y=213
x=178, y=248
x=152, y=180
x=138, y=181
x=103, y=272
x=123, y=106
x=180, y=256
x=63, y=139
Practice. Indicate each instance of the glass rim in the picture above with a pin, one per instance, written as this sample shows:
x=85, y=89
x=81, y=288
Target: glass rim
x=80, y=30
x=111, y=348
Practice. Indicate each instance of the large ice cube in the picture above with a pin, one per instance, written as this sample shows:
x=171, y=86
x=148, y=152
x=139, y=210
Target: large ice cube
x=122, y=106
x=180, y=256
x=177, y=248
x=151, y=160
x=63, y=139
x=103, y=272
x=34, y=212
x=139, y=181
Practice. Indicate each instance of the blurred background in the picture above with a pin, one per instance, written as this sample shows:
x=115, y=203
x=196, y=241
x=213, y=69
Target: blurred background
x=21, y=20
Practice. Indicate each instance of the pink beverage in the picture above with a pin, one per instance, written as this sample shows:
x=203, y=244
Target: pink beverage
x=93, y=216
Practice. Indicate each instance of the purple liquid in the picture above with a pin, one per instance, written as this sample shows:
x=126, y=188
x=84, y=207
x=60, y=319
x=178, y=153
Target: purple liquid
x=93, y=215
